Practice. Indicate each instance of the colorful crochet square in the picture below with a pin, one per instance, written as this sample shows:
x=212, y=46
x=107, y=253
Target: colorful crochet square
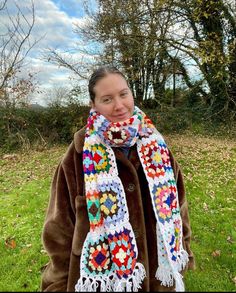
x=111, y=200
x=97, y=260
x=152, y=160
x=123, y=253
x=116, y=136
x=88, y=163
x=94, y=209
x=100, y=158
x=165, y=201
x=108, y=202
x=165, y=157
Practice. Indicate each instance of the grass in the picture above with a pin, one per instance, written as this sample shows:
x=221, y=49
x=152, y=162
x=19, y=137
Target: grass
x=209, y=167
x=25, y=181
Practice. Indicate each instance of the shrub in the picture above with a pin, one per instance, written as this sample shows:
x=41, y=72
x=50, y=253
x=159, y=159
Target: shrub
x=24, y=127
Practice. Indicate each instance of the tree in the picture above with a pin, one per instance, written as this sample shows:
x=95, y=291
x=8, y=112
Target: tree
x=153, y=41
x=211, y=44
x=133, y=34
x=3, y=4
x=57, y=96
x=15, y=45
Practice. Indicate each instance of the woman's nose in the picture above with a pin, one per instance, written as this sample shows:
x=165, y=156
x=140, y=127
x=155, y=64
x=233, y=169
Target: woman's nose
x=118, y=104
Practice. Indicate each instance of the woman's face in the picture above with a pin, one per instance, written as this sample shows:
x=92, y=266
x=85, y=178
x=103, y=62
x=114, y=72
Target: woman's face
x=113, y=98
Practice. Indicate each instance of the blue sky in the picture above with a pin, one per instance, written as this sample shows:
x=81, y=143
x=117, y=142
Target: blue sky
x=70, y=7
x=54, y=21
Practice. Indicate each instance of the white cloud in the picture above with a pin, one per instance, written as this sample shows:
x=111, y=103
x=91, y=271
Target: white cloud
x=55, y=27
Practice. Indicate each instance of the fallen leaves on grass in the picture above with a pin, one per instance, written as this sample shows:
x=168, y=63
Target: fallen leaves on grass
x=9, y=156
x=17, y=169
x=230, y=239
x=205, y=207
x=234, y=280
x=216, y=253
x=10, y=243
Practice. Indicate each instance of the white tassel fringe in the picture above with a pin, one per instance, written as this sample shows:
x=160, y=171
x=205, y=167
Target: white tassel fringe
x=167, y=276
x=133, y=283
x=182, y=260
x=112, y=283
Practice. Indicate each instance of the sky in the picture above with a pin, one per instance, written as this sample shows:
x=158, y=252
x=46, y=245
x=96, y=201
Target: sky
x=54, y=23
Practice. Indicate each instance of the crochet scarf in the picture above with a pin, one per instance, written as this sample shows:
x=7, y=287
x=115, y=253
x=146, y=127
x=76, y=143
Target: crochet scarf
x=109, y=255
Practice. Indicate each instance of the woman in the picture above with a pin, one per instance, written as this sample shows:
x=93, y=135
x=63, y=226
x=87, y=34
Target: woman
x=118, y=217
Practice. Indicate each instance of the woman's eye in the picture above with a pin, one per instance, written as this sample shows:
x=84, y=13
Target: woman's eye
x=106, y=100
x=123, y=94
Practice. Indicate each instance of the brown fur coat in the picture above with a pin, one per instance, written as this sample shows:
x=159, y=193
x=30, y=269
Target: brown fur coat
x=66, y=224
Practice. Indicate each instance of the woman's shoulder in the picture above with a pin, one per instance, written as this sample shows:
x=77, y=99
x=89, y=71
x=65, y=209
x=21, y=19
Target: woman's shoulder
x=78, y=140
x=75, y=147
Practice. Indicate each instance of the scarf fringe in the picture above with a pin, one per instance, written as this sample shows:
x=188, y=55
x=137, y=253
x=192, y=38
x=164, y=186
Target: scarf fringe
x=90, y=284
x=168, y=277
x=182, y=260
x=165, y=276
x=133, y=283
x=179, y=284
x=111, y=283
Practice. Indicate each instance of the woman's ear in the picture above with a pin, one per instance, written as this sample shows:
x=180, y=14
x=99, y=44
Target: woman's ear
x=91, y=104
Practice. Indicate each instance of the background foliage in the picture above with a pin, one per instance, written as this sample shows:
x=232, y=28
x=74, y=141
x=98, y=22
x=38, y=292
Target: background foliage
x=25, y=127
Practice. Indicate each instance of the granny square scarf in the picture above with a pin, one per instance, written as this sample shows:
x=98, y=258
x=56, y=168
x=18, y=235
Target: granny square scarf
x=109, y=255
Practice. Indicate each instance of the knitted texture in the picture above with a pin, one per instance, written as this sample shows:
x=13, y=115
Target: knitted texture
x=109, y=255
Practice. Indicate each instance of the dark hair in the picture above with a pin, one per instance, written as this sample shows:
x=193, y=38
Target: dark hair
x=98, y=74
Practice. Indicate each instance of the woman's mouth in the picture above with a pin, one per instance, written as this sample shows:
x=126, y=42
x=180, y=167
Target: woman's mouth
x=122, y=116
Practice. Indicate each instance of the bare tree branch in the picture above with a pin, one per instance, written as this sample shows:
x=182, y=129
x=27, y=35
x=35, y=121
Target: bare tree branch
x=3, y=4
x=15, y=45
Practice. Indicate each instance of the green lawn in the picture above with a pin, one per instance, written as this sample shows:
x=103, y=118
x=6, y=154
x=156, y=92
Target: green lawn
x=209, y=167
